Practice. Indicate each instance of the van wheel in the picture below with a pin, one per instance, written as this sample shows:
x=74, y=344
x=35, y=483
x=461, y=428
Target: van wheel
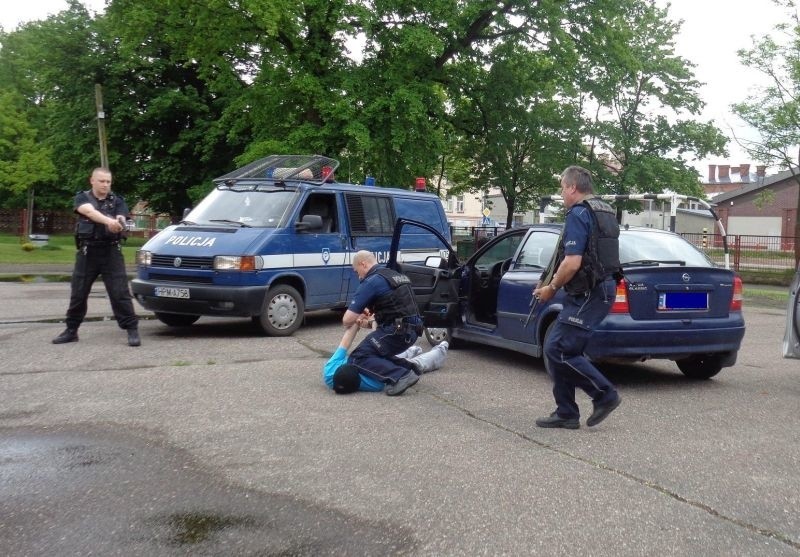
x=282, y=312
x=176, y=319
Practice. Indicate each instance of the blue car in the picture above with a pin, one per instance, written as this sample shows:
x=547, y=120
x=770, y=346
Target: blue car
x=673, y=303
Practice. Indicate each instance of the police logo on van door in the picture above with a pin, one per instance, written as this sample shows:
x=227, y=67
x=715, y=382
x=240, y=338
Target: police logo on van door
x=326, y=255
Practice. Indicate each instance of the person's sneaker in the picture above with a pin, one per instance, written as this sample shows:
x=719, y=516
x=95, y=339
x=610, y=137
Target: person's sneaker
x=554, y=420
x=601, y=411
x=133, y=337
x=69, y=335
x=431, y=360
x=402, y=384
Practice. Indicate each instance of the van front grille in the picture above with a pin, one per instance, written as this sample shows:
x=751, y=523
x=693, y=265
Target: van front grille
x=182, y=262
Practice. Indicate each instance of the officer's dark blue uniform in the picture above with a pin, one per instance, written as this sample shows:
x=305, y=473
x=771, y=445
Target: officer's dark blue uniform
x=99, y=253
x=580, y=314
x=398, y=324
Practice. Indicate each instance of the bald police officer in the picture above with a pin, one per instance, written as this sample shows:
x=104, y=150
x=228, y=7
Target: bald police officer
x=386, y=295
x=101, y=220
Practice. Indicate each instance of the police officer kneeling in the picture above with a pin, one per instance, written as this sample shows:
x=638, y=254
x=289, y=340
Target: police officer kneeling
x=101, y=222
x=386, y=295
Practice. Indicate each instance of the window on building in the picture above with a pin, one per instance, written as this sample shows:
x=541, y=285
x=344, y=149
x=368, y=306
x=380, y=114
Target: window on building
x=460, y=204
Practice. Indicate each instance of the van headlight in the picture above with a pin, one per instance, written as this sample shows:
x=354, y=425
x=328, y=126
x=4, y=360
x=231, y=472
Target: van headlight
x=144, y=258
x=237, y=263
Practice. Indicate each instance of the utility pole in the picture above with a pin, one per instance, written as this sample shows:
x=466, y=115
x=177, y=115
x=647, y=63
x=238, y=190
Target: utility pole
x=101, y=124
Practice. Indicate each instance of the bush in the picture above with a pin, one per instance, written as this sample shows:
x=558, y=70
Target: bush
x=27, y=246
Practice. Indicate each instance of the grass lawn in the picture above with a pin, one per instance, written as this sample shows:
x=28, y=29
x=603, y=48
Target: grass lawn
x=60, y=249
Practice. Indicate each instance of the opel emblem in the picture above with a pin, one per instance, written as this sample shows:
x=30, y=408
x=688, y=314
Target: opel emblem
x=177, y=262
x=686, y=277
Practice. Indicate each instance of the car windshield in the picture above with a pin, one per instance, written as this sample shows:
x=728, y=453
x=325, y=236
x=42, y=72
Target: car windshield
x=642, y=247
x=243, y=205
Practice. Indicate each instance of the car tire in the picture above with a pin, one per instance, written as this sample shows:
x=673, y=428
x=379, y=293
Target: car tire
x=282, y=312
x=176, y=319
x=703, y=366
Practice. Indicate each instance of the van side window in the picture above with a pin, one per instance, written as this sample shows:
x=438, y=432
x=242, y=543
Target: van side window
x=324, y=205
x=370, y=215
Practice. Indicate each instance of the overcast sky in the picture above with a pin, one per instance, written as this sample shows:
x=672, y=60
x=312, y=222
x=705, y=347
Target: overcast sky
x=712, y=32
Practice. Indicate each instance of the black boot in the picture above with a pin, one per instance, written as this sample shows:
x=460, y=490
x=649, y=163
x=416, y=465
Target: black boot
x=69, y=335
x=133, y=337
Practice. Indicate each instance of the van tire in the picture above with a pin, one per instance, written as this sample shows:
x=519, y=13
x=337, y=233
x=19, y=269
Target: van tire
x=282, y=312
x=176, y=319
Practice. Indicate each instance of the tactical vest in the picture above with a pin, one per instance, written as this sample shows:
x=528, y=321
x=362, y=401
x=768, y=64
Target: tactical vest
x=601, y=258
x=88, y=231
x=399, y=302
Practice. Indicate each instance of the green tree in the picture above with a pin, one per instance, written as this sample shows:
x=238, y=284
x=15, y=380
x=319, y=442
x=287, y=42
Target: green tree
x=640, y=99
x=52, y=65
x=517, y=128
x=24, y=162
x=774, y=111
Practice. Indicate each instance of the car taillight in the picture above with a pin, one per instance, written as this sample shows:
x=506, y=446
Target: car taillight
x=736, y=300
x=620, y=304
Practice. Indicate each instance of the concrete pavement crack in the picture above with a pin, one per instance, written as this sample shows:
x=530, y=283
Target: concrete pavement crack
x=765, y=532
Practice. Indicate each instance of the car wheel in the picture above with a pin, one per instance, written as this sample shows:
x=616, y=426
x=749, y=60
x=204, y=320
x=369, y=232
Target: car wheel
x=436, y=335
x=282, y=313
x=703, y=366
x=176, y=319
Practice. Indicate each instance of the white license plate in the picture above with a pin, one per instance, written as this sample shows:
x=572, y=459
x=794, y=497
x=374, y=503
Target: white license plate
x=165, y=292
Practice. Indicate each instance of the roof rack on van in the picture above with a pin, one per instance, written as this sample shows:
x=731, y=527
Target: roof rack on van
x=674, y=199
x=285, y=168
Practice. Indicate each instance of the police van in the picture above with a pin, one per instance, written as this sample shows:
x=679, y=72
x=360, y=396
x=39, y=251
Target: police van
x=275, y=239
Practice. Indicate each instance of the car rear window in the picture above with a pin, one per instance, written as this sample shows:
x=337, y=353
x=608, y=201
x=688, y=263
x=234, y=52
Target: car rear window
x=641, y=245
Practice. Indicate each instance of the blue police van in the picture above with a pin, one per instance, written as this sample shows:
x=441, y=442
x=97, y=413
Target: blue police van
x=275, y=239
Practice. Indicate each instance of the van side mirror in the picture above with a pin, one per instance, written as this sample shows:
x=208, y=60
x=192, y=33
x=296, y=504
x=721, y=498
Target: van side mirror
x=309, y=222
x=186, y=212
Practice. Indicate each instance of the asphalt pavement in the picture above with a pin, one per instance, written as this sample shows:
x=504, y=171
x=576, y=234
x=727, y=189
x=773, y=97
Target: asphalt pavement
x=214, y=440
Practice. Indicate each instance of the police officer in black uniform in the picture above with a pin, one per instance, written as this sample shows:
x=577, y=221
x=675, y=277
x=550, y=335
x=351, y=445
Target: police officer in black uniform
x=586, y=264
x=101, y=221
x=386, y=296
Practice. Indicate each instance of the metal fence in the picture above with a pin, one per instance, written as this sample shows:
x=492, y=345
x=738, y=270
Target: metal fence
x=745, y=252
x=15, y=221
x=748, y=252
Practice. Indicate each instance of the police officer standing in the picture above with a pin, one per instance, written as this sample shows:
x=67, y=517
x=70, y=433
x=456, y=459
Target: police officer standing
x=386, y=295
x=101, y=220
x=586, y=262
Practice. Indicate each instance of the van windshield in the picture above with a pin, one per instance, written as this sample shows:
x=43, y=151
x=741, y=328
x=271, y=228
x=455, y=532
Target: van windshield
x=244, y=206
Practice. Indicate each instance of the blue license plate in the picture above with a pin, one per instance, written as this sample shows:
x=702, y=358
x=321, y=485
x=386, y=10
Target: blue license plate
x=682, y=301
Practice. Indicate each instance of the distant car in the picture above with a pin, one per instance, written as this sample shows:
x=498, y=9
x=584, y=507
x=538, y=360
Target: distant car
x=791, y=340
x=673, y=303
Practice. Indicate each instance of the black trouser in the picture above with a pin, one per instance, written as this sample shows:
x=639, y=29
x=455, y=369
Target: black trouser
x=106, y=260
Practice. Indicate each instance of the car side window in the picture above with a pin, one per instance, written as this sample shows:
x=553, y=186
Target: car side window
x=538, y=250
x=502, y=250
